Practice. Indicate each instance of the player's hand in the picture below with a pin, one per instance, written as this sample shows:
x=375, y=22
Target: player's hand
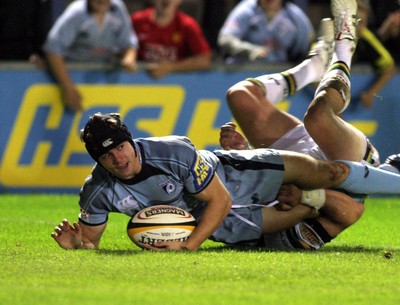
x=289, y=194
x=258, y=52
x=230, y=138
x=68, y=236
x=72, y=99
x=129, y=65
x=160, y=69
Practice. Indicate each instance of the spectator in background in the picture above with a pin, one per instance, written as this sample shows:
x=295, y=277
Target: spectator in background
x=170, y=40
x=370, y=50
x=274, y=31
x=214, y=15
x=385, y=21
x=23, y=28
x=89, y=31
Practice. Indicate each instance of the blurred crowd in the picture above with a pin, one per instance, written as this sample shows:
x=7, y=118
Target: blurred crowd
x=185, y=35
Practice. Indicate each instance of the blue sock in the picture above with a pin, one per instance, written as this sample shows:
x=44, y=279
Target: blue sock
x=364, y=179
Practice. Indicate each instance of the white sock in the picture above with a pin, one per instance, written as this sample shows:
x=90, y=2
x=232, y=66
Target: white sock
x=344, y=50
x=278, y=86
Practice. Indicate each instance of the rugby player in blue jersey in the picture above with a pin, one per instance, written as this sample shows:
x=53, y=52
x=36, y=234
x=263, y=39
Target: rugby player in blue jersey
x=227, y=191
x=132, y=174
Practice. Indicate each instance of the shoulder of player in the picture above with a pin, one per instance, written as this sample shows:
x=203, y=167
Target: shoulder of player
x=165, y=140
x=166, y=148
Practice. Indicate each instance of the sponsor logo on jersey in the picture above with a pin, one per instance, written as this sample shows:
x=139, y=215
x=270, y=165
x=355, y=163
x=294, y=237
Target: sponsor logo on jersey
x=201, y=172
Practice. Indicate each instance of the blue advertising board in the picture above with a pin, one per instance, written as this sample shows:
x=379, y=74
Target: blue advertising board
x=40, y=149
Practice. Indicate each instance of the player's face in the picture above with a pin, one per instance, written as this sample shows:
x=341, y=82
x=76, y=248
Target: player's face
x=120, y=161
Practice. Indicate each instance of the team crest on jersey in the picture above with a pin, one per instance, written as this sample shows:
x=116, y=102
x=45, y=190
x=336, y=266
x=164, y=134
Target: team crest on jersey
x=128, y=203
x=201, y=171
x=168, y=186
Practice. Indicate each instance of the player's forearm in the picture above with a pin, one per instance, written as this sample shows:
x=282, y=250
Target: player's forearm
x=382, y=80
x=211, y=220
x=275, y=221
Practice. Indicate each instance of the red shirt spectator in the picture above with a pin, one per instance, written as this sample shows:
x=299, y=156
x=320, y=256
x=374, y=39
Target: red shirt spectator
x=171, y=39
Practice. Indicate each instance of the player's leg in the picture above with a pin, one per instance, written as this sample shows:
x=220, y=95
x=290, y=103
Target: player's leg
x=309, y=173
x=339, y=212
x=337, y=138
x=252, y=101
x=261, y=121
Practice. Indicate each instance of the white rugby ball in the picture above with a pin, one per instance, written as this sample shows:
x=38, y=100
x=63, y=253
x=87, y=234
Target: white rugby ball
x=160, y=223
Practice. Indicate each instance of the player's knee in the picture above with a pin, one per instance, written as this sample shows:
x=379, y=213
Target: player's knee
x=241, y=94
x=353, y=216
x=234, y=93
x=358, y=211
x=317, y=113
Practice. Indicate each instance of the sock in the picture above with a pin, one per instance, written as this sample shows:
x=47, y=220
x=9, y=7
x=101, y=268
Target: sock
x=274, y=86
x=365, y=179
x=337, y=77
x=278, y=86
x=309, y=71
x=344, y=50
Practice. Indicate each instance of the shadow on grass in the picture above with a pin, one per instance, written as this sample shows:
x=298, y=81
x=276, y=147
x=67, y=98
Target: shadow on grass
x=327, y=249
x=119, y=252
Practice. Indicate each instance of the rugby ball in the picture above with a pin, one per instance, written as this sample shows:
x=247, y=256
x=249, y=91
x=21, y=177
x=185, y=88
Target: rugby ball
x=160, y=223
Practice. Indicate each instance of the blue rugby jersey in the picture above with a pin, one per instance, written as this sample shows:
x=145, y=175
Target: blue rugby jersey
x=287, y=36
x=172, y=170
x=77, y=36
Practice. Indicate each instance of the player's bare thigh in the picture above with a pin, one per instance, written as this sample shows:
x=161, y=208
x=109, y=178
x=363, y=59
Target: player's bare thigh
x=338, y=139
x=261, y=121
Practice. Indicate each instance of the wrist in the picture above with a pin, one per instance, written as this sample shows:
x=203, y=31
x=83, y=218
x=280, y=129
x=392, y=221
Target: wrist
x=314, y=198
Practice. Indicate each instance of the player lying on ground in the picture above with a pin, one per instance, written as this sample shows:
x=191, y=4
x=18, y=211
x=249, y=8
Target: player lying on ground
x=132, y=174
x=338, y=210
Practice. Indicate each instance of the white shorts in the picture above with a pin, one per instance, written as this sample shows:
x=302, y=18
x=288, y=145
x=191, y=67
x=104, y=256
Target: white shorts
x=300, y=141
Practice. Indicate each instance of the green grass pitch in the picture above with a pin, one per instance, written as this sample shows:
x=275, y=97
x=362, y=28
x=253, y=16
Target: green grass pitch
x=361, y=266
